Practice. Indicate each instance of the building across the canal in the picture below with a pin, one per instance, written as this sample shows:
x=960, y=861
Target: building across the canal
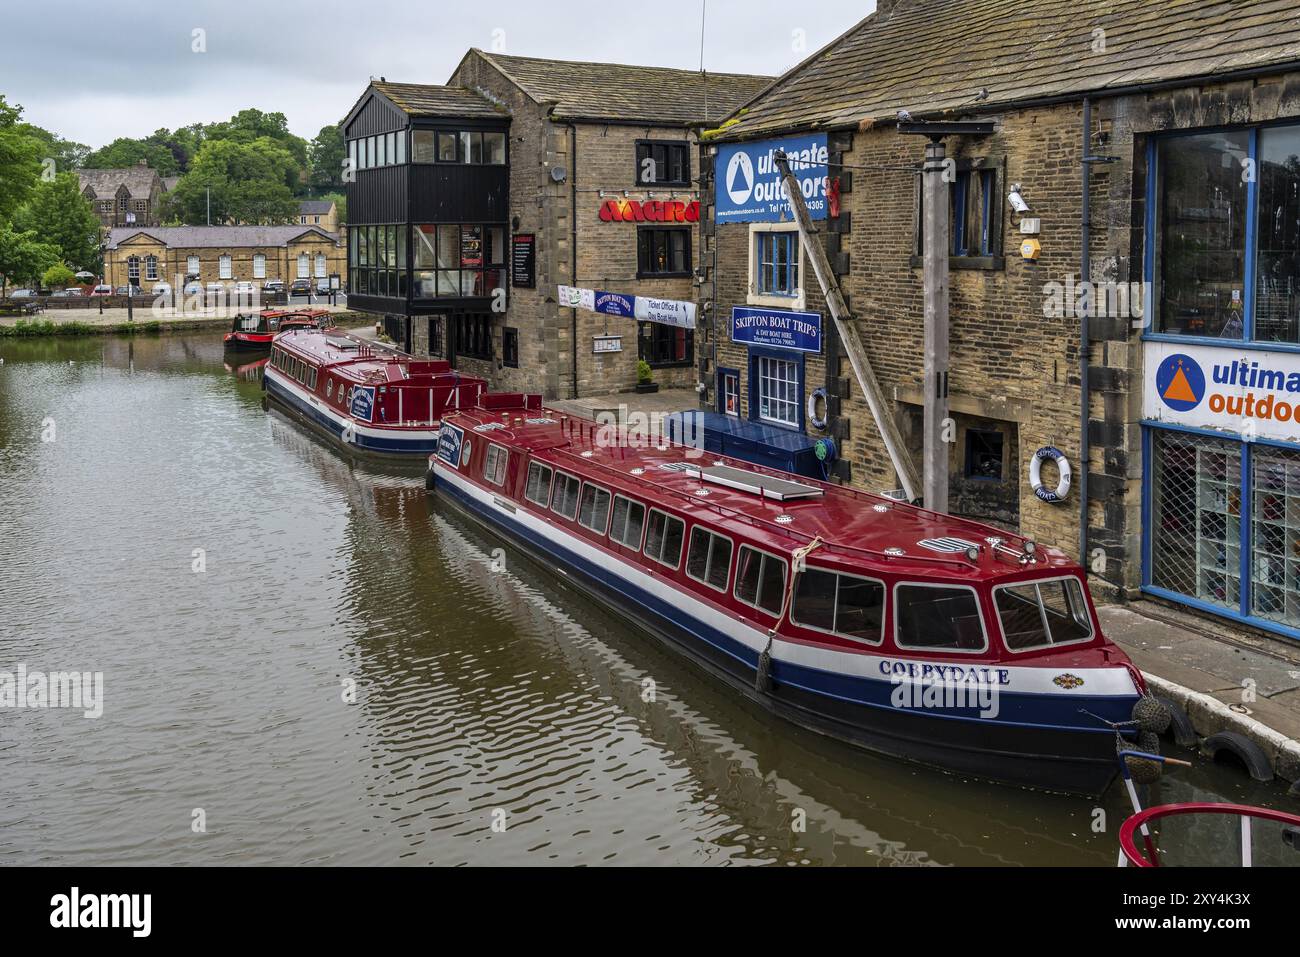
x=1193, y=371
x=224, y=254
x=131, y=196
x=473, y=202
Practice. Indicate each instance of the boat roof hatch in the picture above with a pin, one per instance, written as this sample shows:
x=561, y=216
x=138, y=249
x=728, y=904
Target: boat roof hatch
x=768, y=486
x=339, y=342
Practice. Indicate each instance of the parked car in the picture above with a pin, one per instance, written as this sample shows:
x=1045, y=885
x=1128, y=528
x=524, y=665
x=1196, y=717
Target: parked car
x=162, y=289
x=22, y=293
x=244, y=289
x=323, y=287
x=127, y=290
x=68, y=293
x=216, y=288
x=102, y=290
x=273, y=285
x=300, y=286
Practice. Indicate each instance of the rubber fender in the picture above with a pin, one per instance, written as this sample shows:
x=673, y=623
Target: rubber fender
x=1248, y=751
x=1179, y=724
x=429, y=480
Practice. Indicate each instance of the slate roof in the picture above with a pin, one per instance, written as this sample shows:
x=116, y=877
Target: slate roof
x=618, y=91
x=211, y=237
x=933, y=56
x=105, y=182
x=315, y=207
x=422, y=99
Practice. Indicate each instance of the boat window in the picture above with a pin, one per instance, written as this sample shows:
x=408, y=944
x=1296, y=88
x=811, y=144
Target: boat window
x=841, y=604
x=709, y=558
x=1038, y=614
x=564, y=498
x=938, y=616
x=538, y=490
x=663, y=538
x=312, y=379
x=593, y=511
x=760, y=580
x=629, y=518
x=494, y=465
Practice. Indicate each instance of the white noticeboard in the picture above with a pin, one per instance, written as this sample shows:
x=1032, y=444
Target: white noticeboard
x=605, y=344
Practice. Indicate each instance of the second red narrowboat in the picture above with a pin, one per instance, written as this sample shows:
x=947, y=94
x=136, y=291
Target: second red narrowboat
x=255, y=331
x=904, y=631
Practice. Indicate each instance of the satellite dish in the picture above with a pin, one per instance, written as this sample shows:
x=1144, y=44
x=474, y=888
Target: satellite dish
x=559, y=174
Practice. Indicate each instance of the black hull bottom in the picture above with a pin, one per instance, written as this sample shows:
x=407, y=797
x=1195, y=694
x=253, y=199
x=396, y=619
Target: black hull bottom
x=1041, y=758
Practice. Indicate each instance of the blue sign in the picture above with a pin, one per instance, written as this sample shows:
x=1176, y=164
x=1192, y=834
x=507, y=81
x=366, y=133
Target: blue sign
x=449, y=442
x=616, y=304
x=748, y=187
x=1180, y=382
x=363, y=403
x=777, y=328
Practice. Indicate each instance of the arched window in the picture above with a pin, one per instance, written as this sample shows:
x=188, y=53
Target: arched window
x=133, y=269
x=304, y=266
x=151, y=267
x=320, y=266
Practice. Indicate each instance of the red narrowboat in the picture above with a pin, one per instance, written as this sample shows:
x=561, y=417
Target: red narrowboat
x=254, y=331
x=363, y=394
x=900, y=630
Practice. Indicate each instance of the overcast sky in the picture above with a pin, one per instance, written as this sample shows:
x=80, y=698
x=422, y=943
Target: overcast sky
x=100, y=70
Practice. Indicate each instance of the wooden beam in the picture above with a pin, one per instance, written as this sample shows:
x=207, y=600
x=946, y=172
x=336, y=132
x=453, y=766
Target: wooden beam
x=862, y=370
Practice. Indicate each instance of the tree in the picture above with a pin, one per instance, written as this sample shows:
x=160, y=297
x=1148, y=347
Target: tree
x=20, y=160
x=66, y=154
x=124, y=152
x=325, y=157
x=23, y=257
x=60, y=215
x=249, y=182
x=58, y=276
x=251, y=125
x=340, y=205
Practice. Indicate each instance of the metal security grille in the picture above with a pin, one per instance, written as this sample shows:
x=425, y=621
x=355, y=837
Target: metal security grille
x=1196, y=517
x=1275, y=534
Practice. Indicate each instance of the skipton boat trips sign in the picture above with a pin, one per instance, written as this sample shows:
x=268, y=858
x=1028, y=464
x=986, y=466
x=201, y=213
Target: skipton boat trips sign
x=777, y=328
x=362, y=406
x=749, y=185
x=1248, y=392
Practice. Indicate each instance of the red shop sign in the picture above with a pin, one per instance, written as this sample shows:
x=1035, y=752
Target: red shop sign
x=651, y=211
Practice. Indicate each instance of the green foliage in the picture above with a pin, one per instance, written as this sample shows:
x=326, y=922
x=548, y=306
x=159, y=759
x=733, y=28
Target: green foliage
x=250, y=182
x=325, y=157
x=58, y=276
x=20, y=160
x=124, y=152
x=60, y=215
x=643, y=373
x=340, y=201
x=66, y=154
x=23, y=257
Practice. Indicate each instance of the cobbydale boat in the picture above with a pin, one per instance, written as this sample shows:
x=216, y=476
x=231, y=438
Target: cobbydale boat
x=897, y=629
x=370, y=398
x=255, y=331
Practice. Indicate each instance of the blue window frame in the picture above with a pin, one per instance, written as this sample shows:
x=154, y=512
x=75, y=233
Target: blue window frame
x=971, y=212
x=1222, y=256
x=776, y=267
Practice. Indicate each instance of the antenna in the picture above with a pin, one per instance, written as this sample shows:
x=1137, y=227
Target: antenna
x=704, y=12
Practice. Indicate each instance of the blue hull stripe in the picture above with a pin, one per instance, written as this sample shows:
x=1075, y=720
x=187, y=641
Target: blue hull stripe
x=361, y=442
x=1045, y=711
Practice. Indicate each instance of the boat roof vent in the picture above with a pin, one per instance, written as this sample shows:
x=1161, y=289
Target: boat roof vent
x=338, y=342
x=946, y=544
x=675, y=467
x=768, y=486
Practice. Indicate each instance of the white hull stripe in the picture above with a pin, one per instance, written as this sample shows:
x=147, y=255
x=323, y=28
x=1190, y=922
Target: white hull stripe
x=342, y=421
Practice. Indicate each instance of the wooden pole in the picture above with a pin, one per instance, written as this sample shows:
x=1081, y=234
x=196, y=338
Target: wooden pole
x=936, y=424
x=862, y=370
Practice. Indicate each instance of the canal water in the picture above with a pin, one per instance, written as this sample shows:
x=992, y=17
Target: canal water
x=308, y=660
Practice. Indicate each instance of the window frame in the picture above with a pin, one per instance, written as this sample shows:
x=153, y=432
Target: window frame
x=884, y=612
x=609, y=509
x=577, y=499
x=650, y=232
x=731, y=557
x=668, y=517
x=640, y=535
x=931, y=649
x=756, y=358
x=1038, y=583
x=758, y=596
x=225, y=267
x=502, y=463
x=649, y=146
x=992, y=229
x=528, y=480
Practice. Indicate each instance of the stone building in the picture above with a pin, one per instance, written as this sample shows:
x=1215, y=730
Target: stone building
x=221, y=254
x=550, y=173
x=1192, y=164
x=124, y=197
x=319, y=212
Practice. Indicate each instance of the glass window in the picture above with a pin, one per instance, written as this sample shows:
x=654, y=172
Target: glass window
x=778, y=390
x=938, y=617
x=381, y=150
x=777, y=261
x=593, y=511
x=321, y=265
x=663, y=538
x=192, y=265
x=1277, y=254
x=223, y=267
x=538, y=489
x=662, y=163
x=663, y=251
x=1200, y=241
x=259, y=266
x=709, y=558
x=760, y=580
x=494, y=148
x=471, y=147
x=390, y=150
x=1038, y=614
x=494, y=465
x=401, y=147
x=151, y=267
x=304, y=266
x=627, y=521
x=422, y=146
x=842, y=604
x=446, y=147
x=372, y=153
x=133, y=268
x=352, y=154
x=564, y=497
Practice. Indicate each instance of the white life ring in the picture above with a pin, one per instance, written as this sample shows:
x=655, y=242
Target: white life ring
x=1062, y=489
x=818, y=423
